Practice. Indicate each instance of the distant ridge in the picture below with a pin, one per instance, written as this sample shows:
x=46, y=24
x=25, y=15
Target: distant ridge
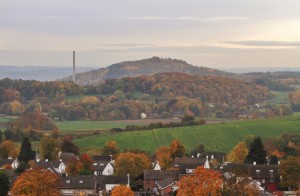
x=143, y=67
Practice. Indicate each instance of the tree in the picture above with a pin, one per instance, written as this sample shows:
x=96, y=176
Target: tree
x=26, y=153
x=122, y=190
x=68, y=145
x=22, y=167
x=110, y=148
x=49, y=148
x=163, y=156
x=290, y=171
x=132, y=164
x=4, y=183
x=256, y=153
x=9, y=148
x=177, y=149
x=238, y=153
x=36, y=182
x=85, y=165
x=204, y=182
x=198, y=149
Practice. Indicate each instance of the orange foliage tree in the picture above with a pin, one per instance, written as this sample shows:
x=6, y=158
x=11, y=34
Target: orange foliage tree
x=122, y=190
x=36, y=182
x=204, y=182
x=9, y=148
x=163, y=156
x=238, y=153
x=177, y=149
x=110, y=148
x=131, y=163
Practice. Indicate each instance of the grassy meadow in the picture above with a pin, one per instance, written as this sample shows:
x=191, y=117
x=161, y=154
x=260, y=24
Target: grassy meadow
x=215, y=137
x=280, y=98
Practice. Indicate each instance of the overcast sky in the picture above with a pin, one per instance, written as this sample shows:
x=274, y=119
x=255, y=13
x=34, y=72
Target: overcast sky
x=211, y=33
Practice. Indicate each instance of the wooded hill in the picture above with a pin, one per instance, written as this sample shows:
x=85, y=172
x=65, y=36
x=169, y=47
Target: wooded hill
x=142, y=67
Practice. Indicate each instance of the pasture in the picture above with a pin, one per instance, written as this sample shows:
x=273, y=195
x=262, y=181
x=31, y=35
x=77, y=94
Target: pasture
x=215, y=137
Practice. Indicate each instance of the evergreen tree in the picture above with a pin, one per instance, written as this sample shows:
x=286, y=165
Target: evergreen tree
x=26, y=153
x=4, y=183
x=256, y=152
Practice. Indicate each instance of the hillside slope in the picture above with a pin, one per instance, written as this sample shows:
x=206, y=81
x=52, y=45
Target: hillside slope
x=143, y=67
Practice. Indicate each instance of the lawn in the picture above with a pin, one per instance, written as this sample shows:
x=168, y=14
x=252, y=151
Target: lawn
x=215, y=137
x=280, y=98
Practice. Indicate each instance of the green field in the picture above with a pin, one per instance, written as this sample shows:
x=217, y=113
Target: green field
x=215, y=137
x=280, y=98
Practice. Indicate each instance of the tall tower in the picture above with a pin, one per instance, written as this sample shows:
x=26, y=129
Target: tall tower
x=74, y=79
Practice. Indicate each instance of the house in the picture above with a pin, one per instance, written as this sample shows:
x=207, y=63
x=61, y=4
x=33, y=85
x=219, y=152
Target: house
x=87, y=185
x=153, y=177
x=103, y=168
x=267, y=175
x=56, y=165
x=187, y=165
x=13, y=163
x=165, y=186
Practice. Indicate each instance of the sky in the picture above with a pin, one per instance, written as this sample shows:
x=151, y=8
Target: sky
x=210, y=33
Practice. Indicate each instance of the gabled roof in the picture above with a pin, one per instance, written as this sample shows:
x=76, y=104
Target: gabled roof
x=100, y=166
x=102, y=158
x=90, y=182
x=160, y=175
x=66, y=157
x=182, y=168
x=6, y=162
x=166, y=182
x=188, y=160
x=263, y=171
x=47, y=164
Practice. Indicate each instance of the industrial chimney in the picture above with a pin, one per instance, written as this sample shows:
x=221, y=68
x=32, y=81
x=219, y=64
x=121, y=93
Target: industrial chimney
x=74, y=79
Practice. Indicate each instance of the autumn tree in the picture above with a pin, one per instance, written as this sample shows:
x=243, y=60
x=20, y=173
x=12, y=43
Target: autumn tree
x=131, y=163
x=26, y=153
x=68, y=145
x=163, y=155
x=122, y=190
x=36, y=182
x=203, y=182
x=49, y=148
x=110, y=148
x=9, y=148
x=85, y=165
x=238, y=153
x=256, y=152
x=177, y=149
x=290, y=171
x=4, y=183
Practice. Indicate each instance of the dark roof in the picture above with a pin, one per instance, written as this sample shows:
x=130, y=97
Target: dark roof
x=166, y=182
x=90, y=182
x=160, y=175
x=6, y=162
x=100, y=166
x=47, y=164
x=188, y=160
x=66, y=157
x=102, y=158
x=77, y=182
x=263, y=171
x=182, y=168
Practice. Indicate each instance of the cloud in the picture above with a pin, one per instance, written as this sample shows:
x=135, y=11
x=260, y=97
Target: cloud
x=264, y=43
x=185, y=18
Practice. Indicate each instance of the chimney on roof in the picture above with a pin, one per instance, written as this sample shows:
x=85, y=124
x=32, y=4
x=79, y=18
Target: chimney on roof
x=254, y=163
x=198, y=155
x=46, y=160
x=74, y=79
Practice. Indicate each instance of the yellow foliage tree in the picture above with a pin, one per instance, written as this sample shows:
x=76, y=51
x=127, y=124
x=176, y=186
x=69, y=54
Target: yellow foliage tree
x=36, y=182
x=132, y=164
x=122, y=190
x=163, y=156
x=9, y=148
x=238, y=153
x=203, y=182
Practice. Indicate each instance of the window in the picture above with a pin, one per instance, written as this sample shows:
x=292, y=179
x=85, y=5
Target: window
x=99, y=172
x=263, y=181
x=68, y=181
x=148, y=181
x=80, y=181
